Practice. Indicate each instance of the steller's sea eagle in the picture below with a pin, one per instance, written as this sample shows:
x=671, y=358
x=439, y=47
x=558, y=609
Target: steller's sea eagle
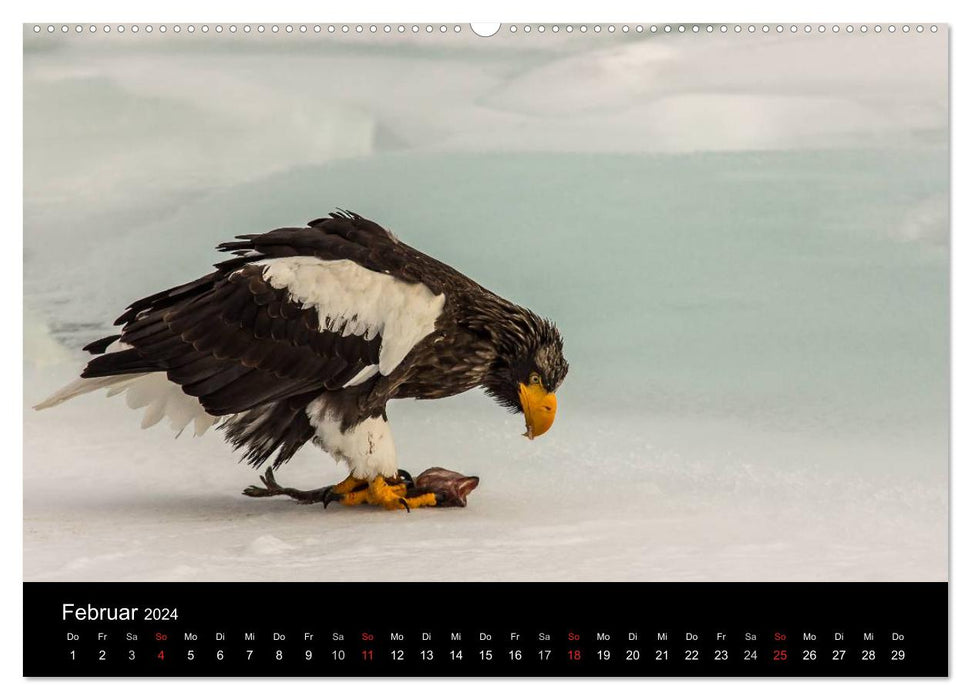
x=306, y=334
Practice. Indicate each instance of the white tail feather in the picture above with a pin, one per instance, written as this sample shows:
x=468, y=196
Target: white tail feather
x=163, y=399
x=154, y=413
x=83, y=386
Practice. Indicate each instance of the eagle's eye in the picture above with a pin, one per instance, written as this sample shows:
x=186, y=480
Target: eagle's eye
x=534, y=378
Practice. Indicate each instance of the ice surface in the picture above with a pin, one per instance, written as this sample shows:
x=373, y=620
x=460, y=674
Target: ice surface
x=744, y=243
x=596, y=499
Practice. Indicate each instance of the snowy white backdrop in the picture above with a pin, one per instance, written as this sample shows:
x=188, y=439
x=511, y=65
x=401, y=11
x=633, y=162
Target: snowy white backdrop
x=743, y=239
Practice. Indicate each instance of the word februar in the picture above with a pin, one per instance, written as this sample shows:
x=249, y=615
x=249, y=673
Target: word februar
x=89, y=612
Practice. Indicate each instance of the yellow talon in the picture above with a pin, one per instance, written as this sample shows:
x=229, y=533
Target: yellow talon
x=379, y=492
x=426, y=499
x=349, y=484
x=392, y=496
x=354, y=498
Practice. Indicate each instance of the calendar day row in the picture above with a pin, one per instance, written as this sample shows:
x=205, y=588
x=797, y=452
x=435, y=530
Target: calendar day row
x=369, y=655
x=479, y=636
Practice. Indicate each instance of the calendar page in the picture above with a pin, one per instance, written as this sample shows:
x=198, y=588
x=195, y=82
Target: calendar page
x=438, y=349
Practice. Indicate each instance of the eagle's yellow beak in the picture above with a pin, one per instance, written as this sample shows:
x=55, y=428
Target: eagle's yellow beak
x=540, y=408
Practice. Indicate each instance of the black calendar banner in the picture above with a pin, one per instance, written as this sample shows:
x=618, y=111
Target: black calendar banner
x=486, y=629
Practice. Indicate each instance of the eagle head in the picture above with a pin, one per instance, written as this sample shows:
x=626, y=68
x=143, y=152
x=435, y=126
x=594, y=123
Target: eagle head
x=529, y=370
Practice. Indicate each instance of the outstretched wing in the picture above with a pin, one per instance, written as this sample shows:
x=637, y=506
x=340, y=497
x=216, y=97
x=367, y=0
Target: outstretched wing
x=297, y=311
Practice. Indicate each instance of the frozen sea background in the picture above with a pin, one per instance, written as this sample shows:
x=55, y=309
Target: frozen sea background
x=745, y=245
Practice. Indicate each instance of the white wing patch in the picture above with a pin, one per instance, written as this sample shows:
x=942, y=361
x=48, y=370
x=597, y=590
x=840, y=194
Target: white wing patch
x=353, y=300
x=362, y=376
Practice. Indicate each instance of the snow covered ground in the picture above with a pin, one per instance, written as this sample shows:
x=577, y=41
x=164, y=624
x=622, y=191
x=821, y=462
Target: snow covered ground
x=592, y=500
x=743, y=239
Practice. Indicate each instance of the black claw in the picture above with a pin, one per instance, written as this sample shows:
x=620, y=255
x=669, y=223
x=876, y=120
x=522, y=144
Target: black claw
x=405, y=504
x=402, y=474
x=330, y=497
